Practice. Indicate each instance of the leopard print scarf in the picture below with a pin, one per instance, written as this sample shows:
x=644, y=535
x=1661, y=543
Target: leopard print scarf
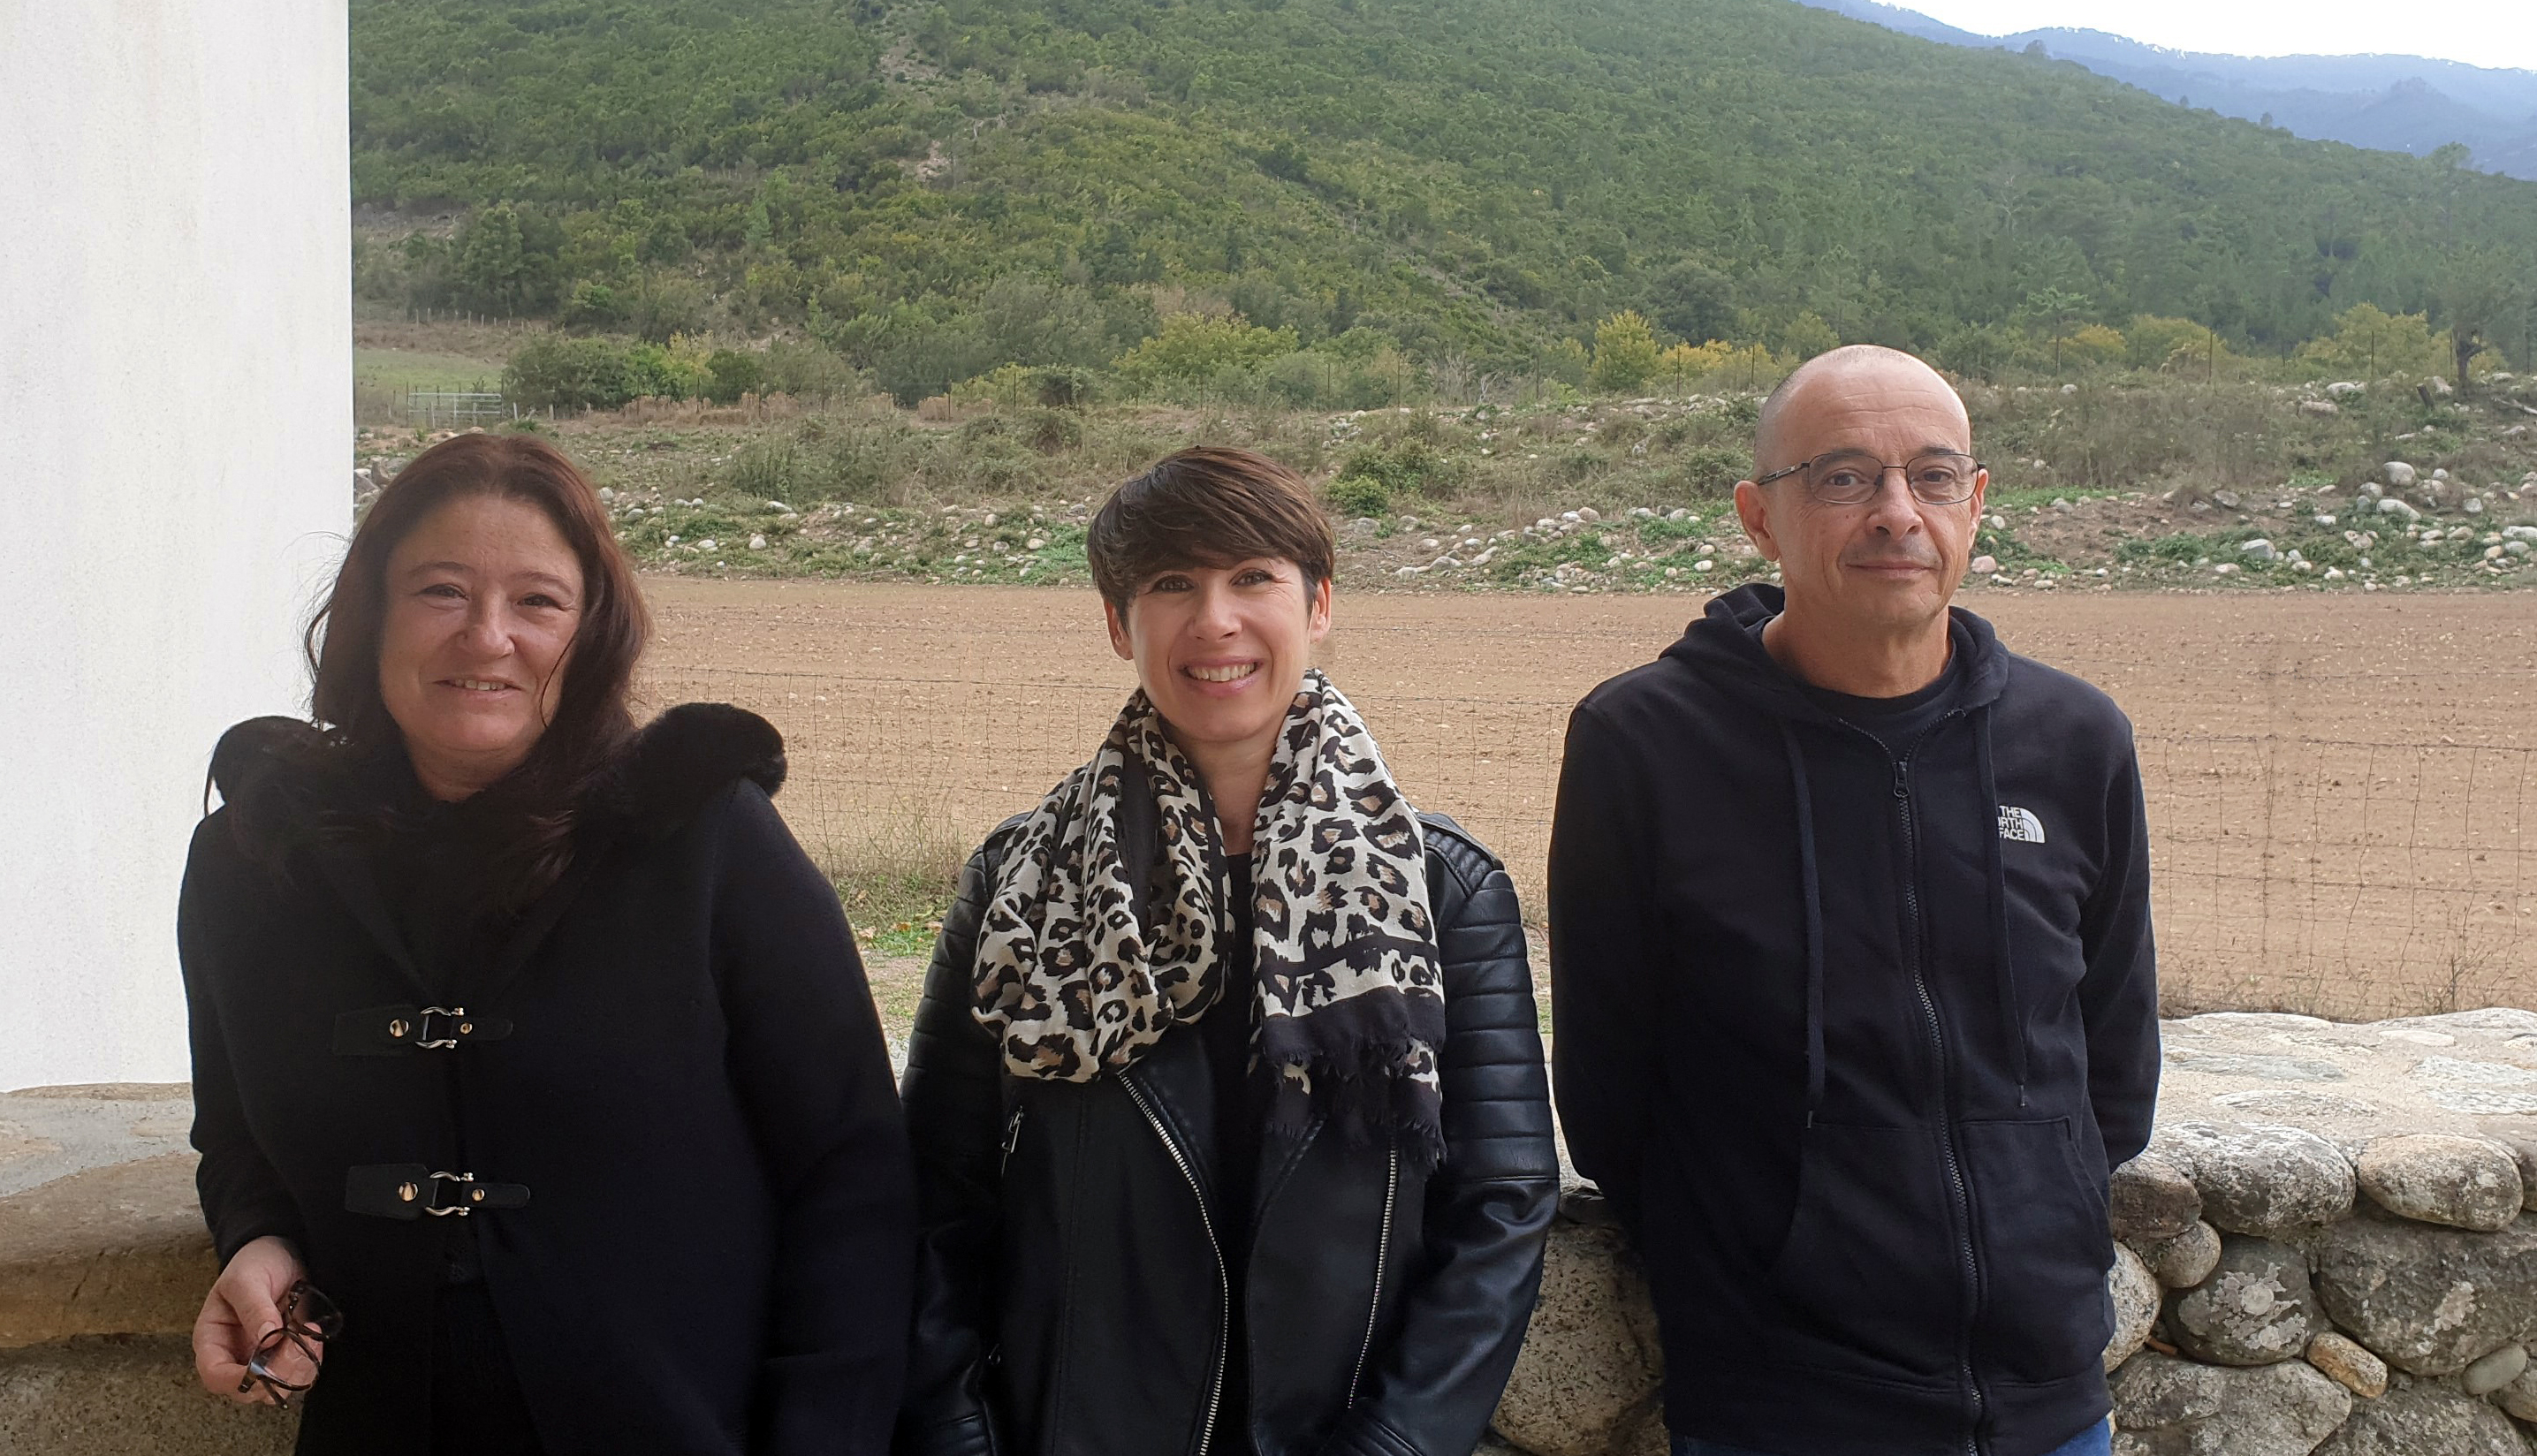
x=1073, y=983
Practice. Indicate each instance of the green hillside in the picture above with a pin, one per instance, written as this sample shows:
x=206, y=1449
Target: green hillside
x=935, y=190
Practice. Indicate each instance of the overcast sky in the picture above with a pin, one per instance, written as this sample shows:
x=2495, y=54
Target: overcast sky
x=2481, y=32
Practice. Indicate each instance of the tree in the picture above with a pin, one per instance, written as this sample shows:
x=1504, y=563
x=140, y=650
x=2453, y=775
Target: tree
x=2369, y=343
x=1625, y=353
x=1693, y=302
x=2480, y=291
x=1193, y=349
x=2058, y=311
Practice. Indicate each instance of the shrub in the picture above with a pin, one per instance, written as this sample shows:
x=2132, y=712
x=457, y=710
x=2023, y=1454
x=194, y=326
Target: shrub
x=1195, y=349
x=552, y=371
x=1052, y=430
x=809, y=371
x=731, y=373
x=768, y=469
x=2369, y=343
x=1625, y=353
x=1359, y=495
x=1411, y=467
x=1567, y=361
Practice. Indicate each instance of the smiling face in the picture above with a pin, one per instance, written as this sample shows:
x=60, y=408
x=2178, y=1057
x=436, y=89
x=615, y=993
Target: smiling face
x=1221, y=650
x=1888, y=565
x=482, y=598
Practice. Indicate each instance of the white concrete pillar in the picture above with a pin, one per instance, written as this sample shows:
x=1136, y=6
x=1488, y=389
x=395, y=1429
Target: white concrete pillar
x=176, y=452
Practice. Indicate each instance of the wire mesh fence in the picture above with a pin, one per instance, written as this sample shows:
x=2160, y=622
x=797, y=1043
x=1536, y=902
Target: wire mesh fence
x=2338, y=878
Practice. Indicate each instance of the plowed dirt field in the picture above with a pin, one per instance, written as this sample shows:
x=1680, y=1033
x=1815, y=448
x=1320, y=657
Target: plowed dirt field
x=2343, y=789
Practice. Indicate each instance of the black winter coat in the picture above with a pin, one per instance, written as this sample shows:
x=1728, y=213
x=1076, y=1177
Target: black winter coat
x=1851, y=1039
x=670, y=1082
x=1070, y=1295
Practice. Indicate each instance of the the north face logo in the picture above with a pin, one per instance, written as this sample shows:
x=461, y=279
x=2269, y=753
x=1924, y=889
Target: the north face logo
x=2020, y=825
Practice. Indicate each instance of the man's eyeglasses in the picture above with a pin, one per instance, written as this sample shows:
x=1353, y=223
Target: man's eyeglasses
x=308, y=1319
x=1846, y=477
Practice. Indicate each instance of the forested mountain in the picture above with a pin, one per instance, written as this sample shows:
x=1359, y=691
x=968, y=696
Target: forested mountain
x=935, y=189
x=2394, y=102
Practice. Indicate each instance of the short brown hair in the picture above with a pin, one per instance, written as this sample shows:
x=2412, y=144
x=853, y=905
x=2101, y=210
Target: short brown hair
x=1207, y=506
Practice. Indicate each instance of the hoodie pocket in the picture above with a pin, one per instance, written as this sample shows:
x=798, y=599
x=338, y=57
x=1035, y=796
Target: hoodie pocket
x=1868, y=1283
x=2045, y=1315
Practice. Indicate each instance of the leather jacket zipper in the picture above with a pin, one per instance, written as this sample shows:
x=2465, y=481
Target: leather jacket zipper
x=1947, y=1150
x=1382, y=1252
x=1013, y=1139
x=1223, y=1280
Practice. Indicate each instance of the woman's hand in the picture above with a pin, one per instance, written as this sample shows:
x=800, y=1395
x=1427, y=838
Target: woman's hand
x=244, y=1306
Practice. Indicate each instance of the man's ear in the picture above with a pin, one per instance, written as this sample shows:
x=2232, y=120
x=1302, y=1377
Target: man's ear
x=1982, y=488
x=1120, y=642
x=1753, y=508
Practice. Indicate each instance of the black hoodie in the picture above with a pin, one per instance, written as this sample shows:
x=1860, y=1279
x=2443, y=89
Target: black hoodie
x=1851, y=1040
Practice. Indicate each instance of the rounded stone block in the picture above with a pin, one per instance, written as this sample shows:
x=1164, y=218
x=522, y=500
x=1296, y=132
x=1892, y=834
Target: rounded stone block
x=2169, y=1407
x=2348, y=1364
x=2518, y=1399
x=2151, y=1198
x=1591, y=1368
x=127, y=1395
x=2465, y=1182
x=2135, y=1295
x=2260, y=1179
x=2186, y=1260
x=118, y=1249
x=2495, y=1371
x=2256, y=1310
x=2425, y=1421
x=2428, y=1300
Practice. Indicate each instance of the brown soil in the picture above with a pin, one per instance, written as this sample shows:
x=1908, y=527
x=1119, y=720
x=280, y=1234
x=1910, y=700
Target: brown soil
x=2343, y=789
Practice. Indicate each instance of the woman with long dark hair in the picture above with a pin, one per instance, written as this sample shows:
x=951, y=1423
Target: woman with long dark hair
x=1231, y=1127
x=541, y=1102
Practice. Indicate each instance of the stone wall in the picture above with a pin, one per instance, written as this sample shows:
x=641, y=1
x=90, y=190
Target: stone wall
x=2327, y=1248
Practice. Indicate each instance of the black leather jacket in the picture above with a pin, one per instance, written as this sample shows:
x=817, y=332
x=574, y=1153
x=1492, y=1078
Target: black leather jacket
x=1071, y=1297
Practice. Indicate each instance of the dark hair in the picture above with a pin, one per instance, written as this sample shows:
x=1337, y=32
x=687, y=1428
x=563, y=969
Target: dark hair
x=533, y=805
x=1207, y=506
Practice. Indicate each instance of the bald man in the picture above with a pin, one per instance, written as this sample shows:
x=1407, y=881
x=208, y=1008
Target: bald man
x=1851, y=968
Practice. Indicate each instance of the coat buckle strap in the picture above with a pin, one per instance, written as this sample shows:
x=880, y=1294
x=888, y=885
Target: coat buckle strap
x=407, y=1191
x=393, y=1031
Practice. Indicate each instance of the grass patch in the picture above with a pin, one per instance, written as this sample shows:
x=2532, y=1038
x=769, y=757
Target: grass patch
x=399, y=369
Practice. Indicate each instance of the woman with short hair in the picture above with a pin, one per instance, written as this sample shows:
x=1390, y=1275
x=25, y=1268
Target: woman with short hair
x=1231, y=1128
x=538, y=1087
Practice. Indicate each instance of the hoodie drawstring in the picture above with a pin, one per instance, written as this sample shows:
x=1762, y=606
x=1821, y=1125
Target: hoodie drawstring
x=1812, y=892
x=2008, y=1000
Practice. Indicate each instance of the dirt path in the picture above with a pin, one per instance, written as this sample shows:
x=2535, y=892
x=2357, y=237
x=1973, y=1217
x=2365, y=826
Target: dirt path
x=2344, y=789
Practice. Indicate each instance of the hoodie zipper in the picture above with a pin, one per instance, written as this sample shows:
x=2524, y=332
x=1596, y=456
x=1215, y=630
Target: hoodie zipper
x=1224, y=1280
x=1947, y=1150
x=1381, y=1251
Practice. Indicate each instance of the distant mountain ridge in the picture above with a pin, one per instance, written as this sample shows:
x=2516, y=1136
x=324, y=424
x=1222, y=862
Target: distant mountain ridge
x=2388, y=103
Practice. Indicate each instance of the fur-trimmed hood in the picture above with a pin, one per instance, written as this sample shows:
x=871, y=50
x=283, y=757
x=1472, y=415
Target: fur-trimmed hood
x=655, y=781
